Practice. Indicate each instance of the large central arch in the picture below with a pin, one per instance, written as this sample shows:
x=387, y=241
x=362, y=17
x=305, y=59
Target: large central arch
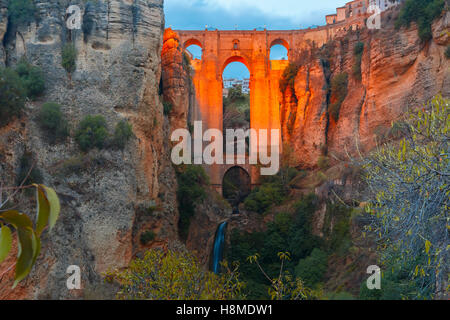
x=252, y=48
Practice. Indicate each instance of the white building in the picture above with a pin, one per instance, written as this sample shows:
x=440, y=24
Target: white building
x=244, y=83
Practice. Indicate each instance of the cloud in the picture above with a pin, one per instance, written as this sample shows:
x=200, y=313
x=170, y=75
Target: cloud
x=248, y=14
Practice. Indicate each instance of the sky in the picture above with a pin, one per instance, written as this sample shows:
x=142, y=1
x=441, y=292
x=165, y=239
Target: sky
x=247, y=15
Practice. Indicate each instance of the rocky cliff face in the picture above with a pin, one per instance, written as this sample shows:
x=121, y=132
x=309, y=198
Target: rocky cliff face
x=111, y=198
x=398, y=72
x=177, y=85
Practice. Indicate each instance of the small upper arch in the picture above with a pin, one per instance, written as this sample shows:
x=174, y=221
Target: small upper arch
x=281, y=42
x=191, y=42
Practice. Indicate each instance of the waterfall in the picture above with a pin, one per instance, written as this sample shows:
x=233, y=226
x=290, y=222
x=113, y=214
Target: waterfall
x=218, y=247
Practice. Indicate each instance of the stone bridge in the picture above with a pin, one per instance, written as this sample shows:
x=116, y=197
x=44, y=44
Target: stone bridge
x=252, y=48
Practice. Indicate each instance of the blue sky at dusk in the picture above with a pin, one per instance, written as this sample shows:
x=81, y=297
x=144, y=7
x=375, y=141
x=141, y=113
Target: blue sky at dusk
x=247, y=15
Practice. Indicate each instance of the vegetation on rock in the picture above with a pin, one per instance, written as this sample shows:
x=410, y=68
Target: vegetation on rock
x=21, y=11
x=358, y=51
x=28, y=173
x=91, y=133
x=12, y=95
x=32, y=78
x=288, y=77
x=52, y=120
x=422, y=12
x=147, y=236
x=191, y=182
x=339, y=89
x=122, y=133
x=447, y=52
x=69, y=57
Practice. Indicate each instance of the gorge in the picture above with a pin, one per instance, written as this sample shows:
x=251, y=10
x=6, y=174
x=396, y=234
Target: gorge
x=330, y=102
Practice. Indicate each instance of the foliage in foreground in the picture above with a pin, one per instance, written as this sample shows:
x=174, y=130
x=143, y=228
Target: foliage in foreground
x=409, y=184
x=284, y=286
x=28, y=234
x=175, y=274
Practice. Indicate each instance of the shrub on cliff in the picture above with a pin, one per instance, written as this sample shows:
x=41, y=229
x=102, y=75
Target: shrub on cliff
x=167, y=107
x=147, y=236
x=263, y=197
x=339, y=91
x=53, y=121
x=191, y=189
x=21, y=11
x=122, y=133
x=288, y=77
x=422, y=12
x=91, y=133
x=32, y=78
x=12, y=95
x=447, y=52
x=358, y=51
x=175, y=274
x=69, y=57
x=27, y=172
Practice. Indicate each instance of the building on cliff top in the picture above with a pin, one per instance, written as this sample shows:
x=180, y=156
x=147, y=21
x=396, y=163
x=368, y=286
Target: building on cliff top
x=359, y=8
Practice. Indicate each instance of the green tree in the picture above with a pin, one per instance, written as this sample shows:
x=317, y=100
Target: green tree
x=423, y=12
x=53, y=121
x=21, y=11
x=122, y=133
x=409, y=184
x=312, y=268
x=175, y=274
x=69, y=57
x=191, y=189
x=12, y=95
x=91, y=133
x=32, y=78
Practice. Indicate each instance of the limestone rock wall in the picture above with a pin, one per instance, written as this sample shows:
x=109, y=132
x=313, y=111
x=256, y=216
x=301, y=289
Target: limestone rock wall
x=177, y=84
x=105, y=203
x=398, y=72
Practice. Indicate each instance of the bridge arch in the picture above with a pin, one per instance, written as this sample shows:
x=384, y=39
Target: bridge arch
x=192, y=41
x=277, y=43
x=236, y=185
x=280, y=41
x=236, y=58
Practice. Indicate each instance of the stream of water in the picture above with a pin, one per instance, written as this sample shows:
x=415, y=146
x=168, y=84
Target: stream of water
x=218, y=247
